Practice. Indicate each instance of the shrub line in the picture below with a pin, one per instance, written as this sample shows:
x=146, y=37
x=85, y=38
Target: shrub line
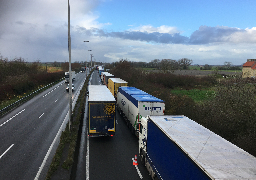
x=21, y=101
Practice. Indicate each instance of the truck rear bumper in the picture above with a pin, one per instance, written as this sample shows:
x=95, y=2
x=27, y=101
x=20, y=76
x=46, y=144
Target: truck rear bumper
x=101, y=134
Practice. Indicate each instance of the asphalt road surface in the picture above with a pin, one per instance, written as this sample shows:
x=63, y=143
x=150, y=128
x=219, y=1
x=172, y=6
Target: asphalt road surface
x=111, y=157
x=27, y=132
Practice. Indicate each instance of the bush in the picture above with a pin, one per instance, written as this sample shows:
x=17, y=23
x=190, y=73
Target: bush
x=231, y=114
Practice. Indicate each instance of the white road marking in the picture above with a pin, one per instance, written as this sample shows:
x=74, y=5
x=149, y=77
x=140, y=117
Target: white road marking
x=6, y=151
x=41, y=115
x=137, y=169
x=52, y=90
x=87, y=158
x=51, y=147
x=12, y=117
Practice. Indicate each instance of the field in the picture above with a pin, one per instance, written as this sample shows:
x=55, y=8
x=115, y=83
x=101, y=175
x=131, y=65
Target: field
x=198, y=95
x=53, y=69
x=202, y=72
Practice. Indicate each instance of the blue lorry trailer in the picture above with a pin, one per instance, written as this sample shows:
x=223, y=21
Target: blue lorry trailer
x=176, y=147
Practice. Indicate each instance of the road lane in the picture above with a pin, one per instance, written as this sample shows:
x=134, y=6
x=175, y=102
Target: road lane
x=111, y=157
x=32, y=128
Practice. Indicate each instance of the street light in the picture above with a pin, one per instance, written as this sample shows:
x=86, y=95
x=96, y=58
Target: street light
x=69, y=71
x=86, y=63
x=91, y=58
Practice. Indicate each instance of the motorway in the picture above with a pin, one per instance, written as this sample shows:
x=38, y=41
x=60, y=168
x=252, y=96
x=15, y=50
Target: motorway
x=111, y=157
x=27, y=132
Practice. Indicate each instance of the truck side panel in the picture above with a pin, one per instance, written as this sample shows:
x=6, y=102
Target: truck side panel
x=111, y=87
x=168, y=159
x=122, y=103
x=117, y=85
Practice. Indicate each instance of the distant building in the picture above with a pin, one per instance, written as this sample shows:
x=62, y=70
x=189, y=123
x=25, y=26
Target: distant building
x=249, y=68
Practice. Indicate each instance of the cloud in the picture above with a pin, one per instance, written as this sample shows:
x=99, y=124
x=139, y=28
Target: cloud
x=156, y=37
x=38, y=30
x=204, y=35
x=160, y=29
x=244, y=36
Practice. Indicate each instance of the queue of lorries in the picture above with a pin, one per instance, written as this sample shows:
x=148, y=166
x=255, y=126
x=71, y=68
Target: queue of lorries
x=171, y=147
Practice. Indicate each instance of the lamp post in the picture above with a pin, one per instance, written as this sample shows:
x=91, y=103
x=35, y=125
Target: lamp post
x=70, y=74
x=86, y=63
x=91, y=58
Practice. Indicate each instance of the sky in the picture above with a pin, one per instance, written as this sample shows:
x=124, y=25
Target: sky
x=205, y=31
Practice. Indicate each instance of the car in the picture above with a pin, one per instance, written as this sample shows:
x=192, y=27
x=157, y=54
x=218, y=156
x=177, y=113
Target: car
x=73, y=88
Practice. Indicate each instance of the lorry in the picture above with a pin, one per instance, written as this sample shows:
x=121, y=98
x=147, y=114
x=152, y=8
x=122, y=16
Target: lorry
x=105, y=76
x=102, y=111
x=83, y=69
x=114, y=84
x=176, y=147
x=134, y=104
x=73, y=74
x=100, y=69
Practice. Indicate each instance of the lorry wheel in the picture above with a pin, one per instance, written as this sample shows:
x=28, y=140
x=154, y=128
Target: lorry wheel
x=155, y=177
x=142, y=159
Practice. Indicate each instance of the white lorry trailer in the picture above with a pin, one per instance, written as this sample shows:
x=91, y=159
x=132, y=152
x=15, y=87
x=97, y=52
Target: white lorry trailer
x=73, y=74
x=102, y=111
x=176, y=147
x=134, y=104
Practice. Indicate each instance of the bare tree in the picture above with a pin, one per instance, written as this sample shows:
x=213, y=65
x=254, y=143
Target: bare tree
x=155, y=63
x=227, y=64
x=184, y=63
x=174, y=65
x=165, y=65
x=207, y=67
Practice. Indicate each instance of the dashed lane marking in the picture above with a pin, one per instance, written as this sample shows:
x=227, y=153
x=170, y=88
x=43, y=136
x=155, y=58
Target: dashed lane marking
x=11, y=118
x=41, y=115
x=52, y=90
x=6, y=151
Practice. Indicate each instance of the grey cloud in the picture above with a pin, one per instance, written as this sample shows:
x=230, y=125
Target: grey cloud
x=141, y=36
x=207, y=34
x=204, y=35
x=20, y=22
